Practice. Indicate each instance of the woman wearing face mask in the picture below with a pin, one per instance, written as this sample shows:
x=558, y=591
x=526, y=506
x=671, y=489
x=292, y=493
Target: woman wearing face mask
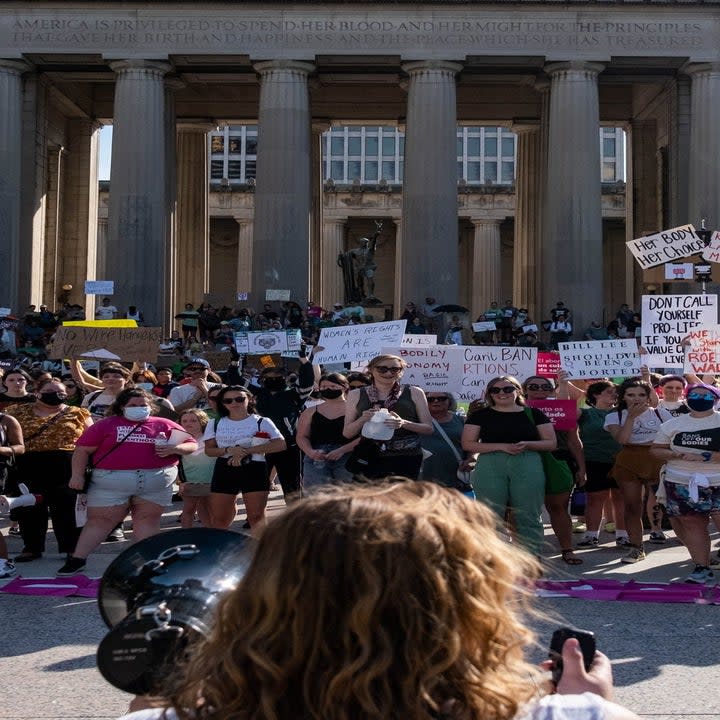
x=320, y=434
x=690, y=446
x=50, y=430
x=135, y=459
x=146, y=380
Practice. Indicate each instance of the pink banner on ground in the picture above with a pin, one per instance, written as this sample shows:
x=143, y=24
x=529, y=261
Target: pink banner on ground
x=78, y=585
x=630, y=591
x=548, y=364
x=562, y=413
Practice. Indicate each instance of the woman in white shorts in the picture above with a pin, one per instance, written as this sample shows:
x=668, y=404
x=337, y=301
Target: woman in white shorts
x=135, y=459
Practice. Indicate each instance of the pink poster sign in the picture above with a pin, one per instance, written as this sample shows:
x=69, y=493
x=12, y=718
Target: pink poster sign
x=562, y=413
x=548, y=364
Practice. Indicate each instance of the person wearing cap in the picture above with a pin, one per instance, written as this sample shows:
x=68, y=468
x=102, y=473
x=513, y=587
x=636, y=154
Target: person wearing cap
x=690, y=486
x=337, y=311
x=195, y=393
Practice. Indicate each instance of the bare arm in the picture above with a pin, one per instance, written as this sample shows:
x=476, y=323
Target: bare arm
x=354, y=420
x=13, y=432
x=575, y=447
x=80, y=459
x=547, y=441
x=424, y=425
x=302, y=434
x=88, y=381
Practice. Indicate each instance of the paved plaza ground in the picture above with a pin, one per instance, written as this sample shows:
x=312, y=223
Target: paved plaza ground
x=666, y=657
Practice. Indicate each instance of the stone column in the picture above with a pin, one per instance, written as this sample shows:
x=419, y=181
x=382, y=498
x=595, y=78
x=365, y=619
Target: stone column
x=245, y=255
x=572, y=231
x=192, y=227
x=80, y=203
x=136, y=252
x=429, y=254
x=10, y=179
x=281, y=247
x=487, y=270
x=527, y=200
x=704, y=188
x=332, y=287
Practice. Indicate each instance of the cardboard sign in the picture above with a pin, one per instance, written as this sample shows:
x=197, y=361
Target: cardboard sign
x=562, y=413
x=665, y=246
x=219, y=360
x=419, y=340
x=358, y=342
x=463, y=370
x=258, y=362
x=136, y=343
x=99, y=287
x=703, y=353
x=666, y=320
x=279, y=295
x=712, y=252
x=262, y=342
x=679, y=271
x=600, y=358
x=484, y=326
x=548, y=364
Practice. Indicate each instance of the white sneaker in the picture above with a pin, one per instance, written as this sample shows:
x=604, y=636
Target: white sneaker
x=7, y=568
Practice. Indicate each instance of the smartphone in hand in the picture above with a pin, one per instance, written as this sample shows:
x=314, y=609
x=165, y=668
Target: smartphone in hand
x=587, y=647
x=303, y=351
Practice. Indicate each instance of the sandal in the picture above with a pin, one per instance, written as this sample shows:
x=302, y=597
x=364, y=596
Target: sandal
x=568, y=557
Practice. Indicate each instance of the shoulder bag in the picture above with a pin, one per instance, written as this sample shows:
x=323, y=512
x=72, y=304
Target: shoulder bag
x=463, y=476
x=558, y=476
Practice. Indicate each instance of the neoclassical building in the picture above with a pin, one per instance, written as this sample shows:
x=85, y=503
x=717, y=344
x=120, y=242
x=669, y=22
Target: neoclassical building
x=166, y=73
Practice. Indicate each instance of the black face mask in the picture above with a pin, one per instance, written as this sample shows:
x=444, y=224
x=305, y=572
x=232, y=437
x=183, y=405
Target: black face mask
x=53, y=398
x=274, y=383
x=330, y=394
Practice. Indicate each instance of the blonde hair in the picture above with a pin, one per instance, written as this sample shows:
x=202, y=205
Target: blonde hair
x=385, y=602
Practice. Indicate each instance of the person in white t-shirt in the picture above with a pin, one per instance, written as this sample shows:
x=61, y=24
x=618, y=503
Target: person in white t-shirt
x=634, y=426
x=239, y=440
x=382, y=601
x=106, y=311
x=195, y=393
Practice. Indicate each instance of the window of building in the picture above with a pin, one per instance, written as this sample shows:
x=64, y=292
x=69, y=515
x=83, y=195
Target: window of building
x=233, y=155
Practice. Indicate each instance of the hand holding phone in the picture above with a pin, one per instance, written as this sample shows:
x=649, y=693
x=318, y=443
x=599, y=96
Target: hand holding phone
x=588, y=647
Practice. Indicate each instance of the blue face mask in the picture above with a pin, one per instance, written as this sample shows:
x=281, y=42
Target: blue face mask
x=700, y=403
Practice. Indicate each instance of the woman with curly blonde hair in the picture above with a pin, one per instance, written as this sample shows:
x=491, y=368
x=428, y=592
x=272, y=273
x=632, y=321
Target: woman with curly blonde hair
x=391, y=602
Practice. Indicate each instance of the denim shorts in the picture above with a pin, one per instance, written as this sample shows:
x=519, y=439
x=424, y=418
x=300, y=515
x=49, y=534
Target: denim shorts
x=117, y=487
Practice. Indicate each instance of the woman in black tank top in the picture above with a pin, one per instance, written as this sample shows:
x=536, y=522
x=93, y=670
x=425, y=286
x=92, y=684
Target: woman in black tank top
x=320, y=435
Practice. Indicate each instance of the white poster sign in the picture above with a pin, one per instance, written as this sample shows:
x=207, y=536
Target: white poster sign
x=99, y=287
x=702, y=355
x=421, y=340
x=484, y=326
x=666, y=320
x=280, y=295
x=463, y=369
x=665, y=246
x=264, y=343
x=712, y=252
x=600, y=358
x=679, y=271
x=358, y=342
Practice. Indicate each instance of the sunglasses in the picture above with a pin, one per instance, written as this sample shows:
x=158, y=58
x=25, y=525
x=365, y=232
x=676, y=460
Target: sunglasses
x=507, y=389
x=239, y=399
x=535, y=386
x=440, y=398
x=386, y=369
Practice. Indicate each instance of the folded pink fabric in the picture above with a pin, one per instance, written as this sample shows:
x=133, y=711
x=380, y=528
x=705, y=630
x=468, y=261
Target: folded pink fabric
x=78, y=585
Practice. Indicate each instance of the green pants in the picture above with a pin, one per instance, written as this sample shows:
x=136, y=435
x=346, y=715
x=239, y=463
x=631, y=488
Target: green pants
x=518, y=482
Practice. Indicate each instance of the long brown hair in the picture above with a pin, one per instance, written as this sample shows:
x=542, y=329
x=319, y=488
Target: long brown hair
x=382, y=602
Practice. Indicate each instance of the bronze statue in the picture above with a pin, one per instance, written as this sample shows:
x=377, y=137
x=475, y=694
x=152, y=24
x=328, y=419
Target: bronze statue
x=358, y=268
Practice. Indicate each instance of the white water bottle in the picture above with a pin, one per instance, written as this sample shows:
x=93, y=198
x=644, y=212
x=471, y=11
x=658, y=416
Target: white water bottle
x=161, y=440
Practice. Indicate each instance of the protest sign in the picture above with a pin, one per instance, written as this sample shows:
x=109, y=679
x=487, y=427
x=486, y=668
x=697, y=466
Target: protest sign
x=99, y=287
x=463, y=369
x=600, y=358
x=548, y=364
x=419, y=340
x=259, y=362
x=702, y=355
x=712, y=252
x=132, y=343
x=279, y=295
x=666, y=320
x=243, y=295
x=219, y=360
x=262, y=342
x=679, y=271
x=117, y=323
x=562, y=413
x=484, y=326
x=358, y=342
x=665, y=246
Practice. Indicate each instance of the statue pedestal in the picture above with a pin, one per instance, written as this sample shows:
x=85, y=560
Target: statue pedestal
x=378, y=311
